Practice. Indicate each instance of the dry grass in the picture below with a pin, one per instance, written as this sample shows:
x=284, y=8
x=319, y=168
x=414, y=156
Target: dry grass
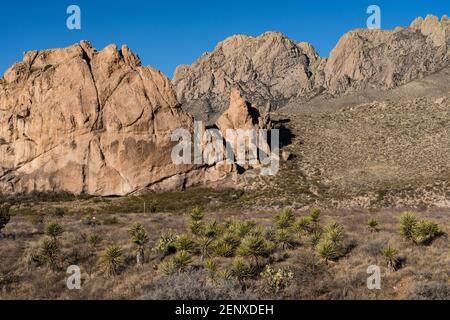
x=424, y=274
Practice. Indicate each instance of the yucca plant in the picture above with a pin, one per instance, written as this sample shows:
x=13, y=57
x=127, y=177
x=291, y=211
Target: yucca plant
x=315, y=215
x=139, y=238
x=334, y=232
x=240, y=228
x=284, y=219
x=167, y=267
x=196, y=224
x=48, y=252
x=205, y=246
x=255, y=247
x=327, y=250
x=242, y=271
x=373, y=225
x=166, y=245
x=302, y=226
x=185, y=242
x=391, y=258
x=5, y=216
x=315, y=238
x=425, y=231
x=224, y=249
x=54, y=230
x=408, y=222
x=94, y=240
x=111, y=260
x=284, y=239
x=182, y=260
x=210, y=265
x=212, y=229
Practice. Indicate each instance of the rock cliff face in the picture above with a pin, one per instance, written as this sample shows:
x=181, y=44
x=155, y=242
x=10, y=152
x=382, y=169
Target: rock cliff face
x=79, y=120
x=273, y=68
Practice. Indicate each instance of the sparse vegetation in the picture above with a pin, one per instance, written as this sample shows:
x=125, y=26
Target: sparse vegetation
x=5, y=217
x=111, y=260
x=391, y=258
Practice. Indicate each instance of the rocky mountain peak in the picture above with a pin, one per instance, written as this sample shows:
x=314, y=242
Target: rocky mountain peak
x=271, y=67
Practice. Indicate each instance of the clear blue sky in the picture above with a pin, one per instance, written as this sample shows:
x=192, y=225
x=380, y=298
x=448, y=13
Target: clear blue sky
x=168, y=33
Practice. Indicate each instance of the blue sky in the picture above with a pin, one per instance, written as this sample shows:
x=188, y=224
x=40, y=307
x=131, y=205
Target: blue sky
x=168, y=33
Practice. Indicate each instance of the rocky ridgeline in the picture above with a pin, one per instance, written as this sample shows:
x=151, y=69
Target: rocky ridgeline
x=273, y=68
x=100, y=123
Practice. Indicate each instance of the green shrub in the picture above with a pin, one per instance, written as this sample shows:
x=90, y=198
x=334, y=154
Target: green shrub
x=408, y=222
x=5, y=216
x=373, y=225
x=334, y=232
x=48, y=252
x=240, y=228
x=167, y=244
x=285, y=219
x=391, y=258
x=327, y=250
x=242, y=271
x=139, y=238
x=54, y=230
x=302, y=226
x=185, y=242
x=315, y=215
x=315, y=238
x=426, y=231
x=111, y=260
x=255, y=247
x=94, y=240
x=89, y=220
x=196, y=224
x=284, y=239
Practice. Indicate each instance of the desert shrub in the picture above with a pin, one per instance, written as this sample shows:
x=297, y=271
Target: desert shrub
x=430, y=291
x=196, y=224
x=408, y=222
x=89, y=220
x=48, y=253
x=166, y=245
x=211, y=265
x=177, y=263
x=284, y=239
x=242, y=271
x=94, y=240
x=59, y=212
x=205, y=245
x=54, y=230
x=194, y=285
x=273, y=281
x=111, y=260
x=285, y=219
x=212, y=229
x=5, y=216
x=302, y=226
x=327, y=250
x=390, y=255
x=315, y=238
x=334, y=232
x=255, y=247
x=426, y=231
x=139, y=238
x=315, y=215
x=373, y=225
x=224, y=249
x=185, y=242
x=240, y=228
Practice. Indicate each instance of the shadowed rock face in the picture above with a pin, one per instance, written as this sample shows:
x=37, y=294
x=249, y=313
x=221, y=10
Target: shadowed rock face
x=79, y=120
x=273, y=68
